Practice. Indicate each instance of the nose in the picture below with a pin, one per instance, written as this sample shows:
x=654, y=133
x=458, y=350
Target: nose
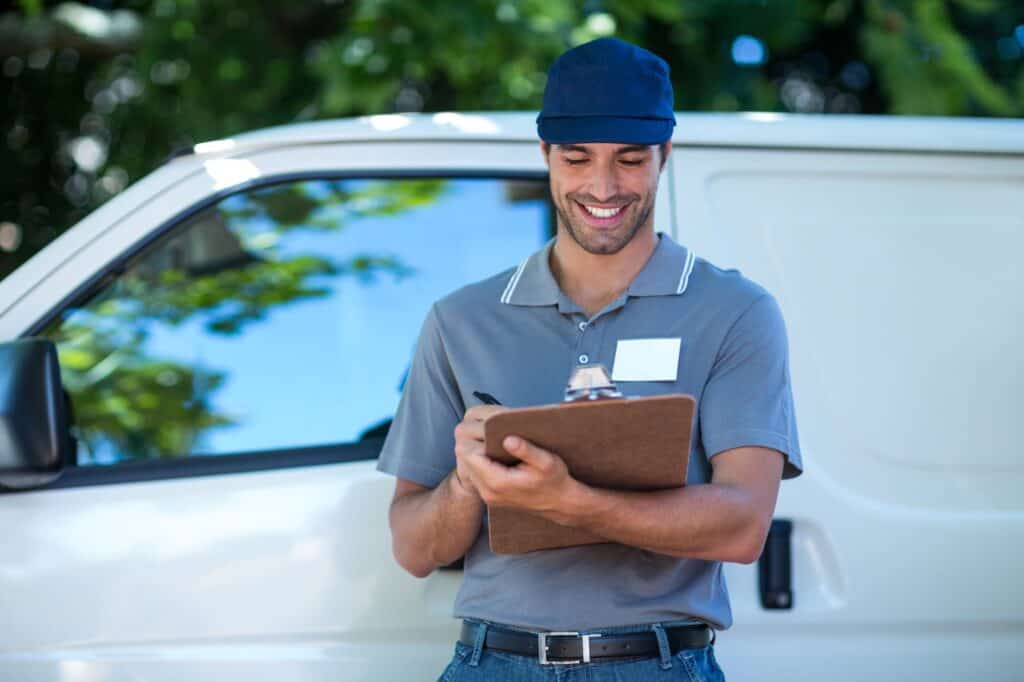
x=604, y=183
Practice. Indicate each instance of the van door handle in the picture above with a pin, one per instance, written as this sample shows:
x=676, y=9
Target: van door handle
x=774, y=567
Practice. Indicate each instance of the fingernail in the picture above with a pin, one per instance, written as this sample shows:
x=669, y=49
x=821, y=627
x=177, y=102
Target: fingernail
x=512, y=443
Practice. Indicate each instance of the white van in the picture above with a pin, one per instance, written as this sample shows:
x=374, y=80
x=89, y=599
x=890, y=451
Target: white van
x=233, y=331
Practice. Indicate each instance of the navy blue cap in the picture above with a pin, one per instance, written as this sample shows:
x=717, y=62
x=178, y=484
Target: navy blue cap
x=607, y=90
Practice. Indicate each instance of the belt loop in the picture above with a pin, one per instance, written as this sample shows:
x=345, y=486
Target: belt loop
x=478, y=644
x=663, y=649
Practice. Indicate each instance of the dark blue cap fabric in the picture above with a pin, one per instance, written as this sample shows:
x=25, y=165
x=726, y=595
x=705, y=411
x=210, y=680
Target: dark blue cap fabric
x=607, y=90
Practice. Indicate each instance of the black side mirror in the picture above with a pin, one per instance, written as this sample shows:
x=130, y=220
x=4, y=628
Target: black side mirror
x=35, y=441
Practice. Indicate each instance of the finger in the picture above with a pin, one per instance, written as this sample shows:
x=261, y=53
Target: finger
x=487, y=486
x=469, y=431
x=467, y=449
x=482, y=412
x=474, y=457
x=529, y=453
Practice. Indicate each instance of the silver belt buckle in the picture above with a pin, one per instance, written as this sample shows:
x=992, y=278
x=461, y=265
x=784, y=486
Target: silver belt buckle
x=542, y=647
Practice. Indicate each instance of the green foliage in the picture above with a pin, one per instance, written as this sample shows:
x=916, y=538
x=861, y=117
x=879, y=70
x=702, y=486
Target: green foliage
x=139, y=82
x=293, y=205
x=31, y=8
x=131, y=401
x=920, y=55
x=144, y=407
x=92, y=99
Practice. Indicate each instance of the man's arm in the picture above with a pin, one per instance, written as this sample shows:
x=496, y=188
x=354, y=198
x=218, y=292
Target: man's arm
x=724, y=520
x=433, y=527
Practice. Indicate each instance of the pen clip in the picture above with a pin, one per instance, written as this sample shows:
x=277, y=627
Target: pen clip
x=590, y=382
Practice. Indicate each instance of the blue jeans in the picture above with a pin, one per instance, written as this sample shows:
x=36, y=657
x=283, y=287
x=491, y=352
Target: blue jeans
x=471, y=663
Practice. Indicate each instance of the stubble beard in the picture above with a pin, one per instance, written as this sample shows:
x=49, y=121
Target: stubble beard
x=603, y=243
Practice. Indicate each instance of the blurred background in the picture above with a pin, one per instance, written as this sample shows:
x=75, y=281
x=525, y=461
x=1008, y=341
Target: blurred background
x=97, y=94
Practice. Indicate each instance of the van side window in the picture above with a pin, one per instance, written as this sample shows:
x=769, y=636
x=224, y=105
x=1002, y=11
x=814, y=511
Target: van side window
x=283, y=316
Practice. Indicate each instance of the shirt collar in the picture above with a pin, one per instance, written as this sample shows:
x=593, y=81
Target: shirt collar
x=532, y=283
x=666, y=273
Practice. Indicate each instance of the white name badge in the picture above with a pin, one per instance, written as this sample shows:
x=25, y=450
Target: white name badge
x=646, y=360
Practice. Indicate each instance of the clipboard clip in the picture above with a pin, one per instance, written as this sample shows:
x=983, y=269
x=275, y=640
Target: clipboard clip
x=590, y=382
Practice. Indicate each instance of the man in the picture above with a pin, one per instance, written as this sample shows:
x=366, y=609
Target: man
x=645, y=602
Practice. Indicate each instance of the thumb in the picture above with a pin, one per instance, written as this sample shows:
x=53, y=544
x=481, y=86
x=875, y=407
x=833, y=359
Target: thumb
x=526, y=451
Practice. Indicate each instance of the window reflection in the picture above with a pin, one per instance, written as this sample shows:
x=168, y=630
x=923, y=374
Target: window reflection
x=282, y=317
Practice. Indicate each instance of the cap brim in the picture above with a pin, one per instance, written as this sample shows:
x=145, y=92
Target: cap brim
x=622, y=130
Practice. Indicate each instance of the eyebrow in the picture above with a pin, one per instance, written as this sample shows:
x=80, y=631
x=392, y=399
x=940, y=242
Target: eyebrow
x=621, y=150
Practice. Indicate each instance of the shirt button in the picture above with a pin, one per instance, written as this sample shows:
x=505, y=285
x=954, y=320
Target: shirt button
x=584, y=359
x=582, y=325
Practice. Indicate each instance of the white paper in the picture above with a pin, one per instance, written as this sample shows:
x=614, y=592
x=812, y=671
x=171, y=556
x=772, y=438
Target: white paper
x=646, y=360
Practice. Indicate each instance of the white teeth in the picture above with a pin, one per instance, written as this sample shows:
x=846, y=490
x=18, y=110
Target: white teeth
x=602, y=212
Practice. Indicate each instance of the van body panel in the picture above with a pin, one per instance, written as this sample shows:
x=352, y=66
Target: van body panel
x=899, y=279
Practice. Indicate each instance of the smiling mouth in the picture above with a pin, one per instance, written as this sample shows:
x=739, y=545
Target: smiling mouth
x=600, y=214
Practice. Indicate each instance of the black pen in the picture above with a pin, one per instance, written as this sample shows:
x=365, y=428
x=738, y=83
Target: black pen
x=486, y=398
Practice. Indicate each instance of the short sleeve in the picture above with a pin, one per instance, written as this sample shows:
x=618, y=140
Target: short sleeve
x=748, y=400
x=420, y=445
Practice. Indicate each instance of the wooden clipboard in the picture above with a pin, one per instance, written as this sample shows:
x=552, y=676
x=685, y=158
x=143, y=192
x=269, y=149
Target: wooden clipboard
x=619, y=443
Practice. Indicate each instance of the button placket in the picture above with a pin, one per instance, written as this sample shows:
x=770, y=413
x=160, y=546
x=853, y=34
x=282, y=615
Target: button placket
x=595, y=339
x=583, y=354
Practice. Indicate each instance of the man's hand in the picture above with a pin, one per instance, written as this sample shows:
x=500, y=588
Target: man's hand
x=540, y=482
x=469, y=443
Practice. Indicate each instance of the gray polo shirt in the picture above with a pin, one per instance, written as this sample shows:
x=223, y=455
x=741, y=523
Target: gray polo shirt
x=517, y=336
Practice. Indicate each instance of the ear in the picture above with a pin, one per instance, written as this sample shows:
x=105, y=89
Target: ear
x=545, y=150
x=664, y=158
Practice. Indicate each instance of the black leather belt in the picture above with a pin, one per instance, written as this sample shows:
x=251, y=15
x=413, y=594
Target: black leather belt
x=573, y=647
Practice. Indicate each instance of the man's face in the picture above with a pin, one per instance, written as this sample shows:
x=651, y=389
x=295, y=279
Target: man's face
x=603, y=192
